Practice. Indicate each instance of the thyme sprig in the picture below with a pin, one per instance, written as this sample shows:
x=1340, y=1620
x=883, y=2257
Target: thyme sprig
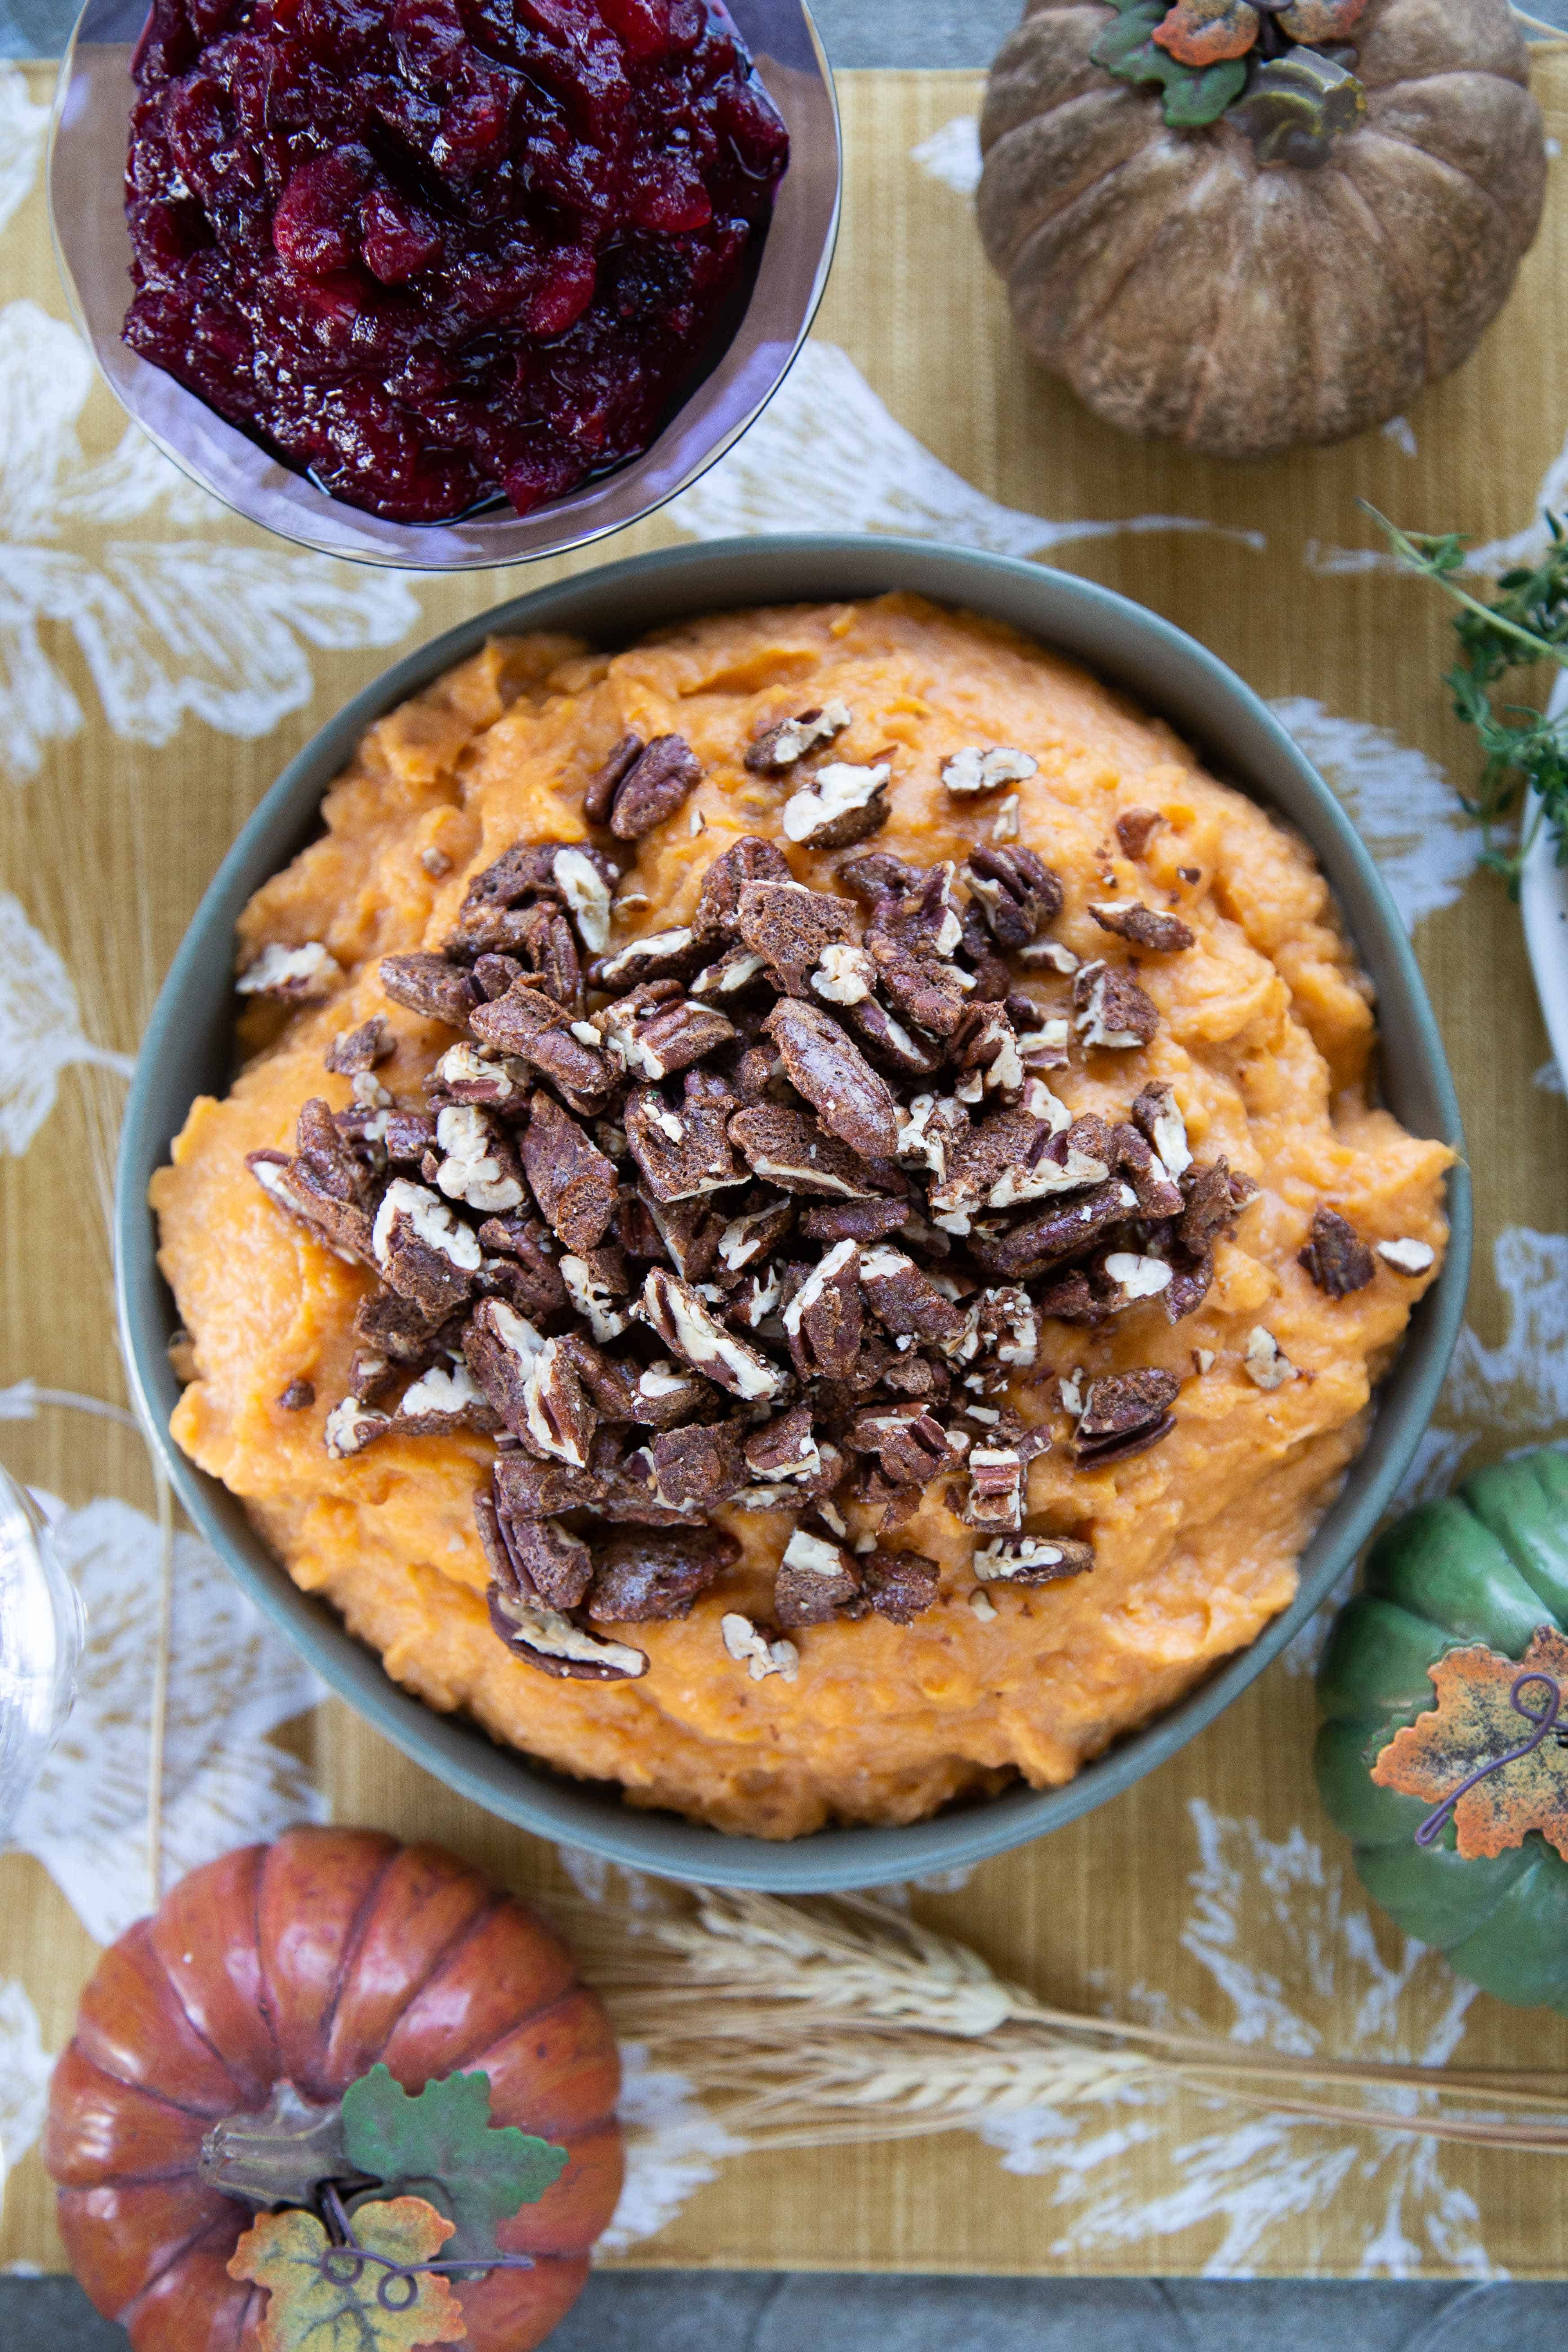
x=1525, y=621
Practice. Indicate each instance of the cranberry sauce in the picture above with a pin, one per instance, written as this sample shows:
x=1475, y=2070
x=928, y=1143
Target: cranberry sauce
x=433, y=250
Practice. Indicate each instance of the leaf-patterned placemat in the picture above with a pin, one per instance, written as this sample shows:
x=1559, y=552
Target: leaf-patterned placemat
x=158, y=665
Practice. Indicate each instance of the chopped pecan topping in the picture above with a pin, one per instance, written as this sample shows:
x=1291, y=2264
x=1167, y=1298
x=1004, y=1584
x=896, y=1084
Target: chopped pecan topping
x=697, y=1466
x=822, y=1063
x=817, y=1580
x=1113, y=1010
x=684, y=1323
x=300, y=1396
x=424, y=1252
x=547, y=1639
x=547, y=1555
x=466, y=1075
x=784, y=1450
x=789, y=925
x=911, y=940
x=853, y=1221
x=792, y=1152
x=431, y=986
x=1213, y=1195
x=584, y=879
x=593, y=1295
x=752, y=1235
x=1406, y=1256
x=658, y=955
x=294, y=975
x=683, y=1153
x=1265, y=1363
x=1123, y=1413
x=1161, y=934
x=654, y=786
x=599, y=798
x=501, y=1348
x=1134, y=1157
x=1032, y=1559
x=982, y=767
x=399, y=1332
x=571, y=1179
x=1133, y=829
x=655, y=1037
x=353, y=1051
x=841, y=804
x=1336, y=1257
x=641, y=1578
x=822, y=1321
x=789, y=740
x=526, y=1489
x=351, y=1426
x=1019, y=891
x=878, y=875
x=527, y=1022
x=325, y=1186
x=558, y=1417
x=1157, y=1115
x=445, y=1398
x=900, y=1585
x=844, y=975
x=750, y=859
x=479, y=1164
x=735, y=969
x=758, y=1648
x=905, y=1054
x=995, y=1498
x=903, y=1299
x=911, y=1446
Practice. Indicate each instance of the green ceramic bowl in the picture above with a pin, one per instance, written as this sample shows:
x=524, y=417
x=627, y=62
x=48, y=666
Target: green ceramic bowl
x=188, y=1050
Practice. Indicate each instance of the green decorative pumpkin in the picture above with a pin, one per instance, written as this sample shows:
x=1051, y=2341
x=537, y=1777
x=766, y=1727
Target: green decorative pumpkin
x=1488, y=1563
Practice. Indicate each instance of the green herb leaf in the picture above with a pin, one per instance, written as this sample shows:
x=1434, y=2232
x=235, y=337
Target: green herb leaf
x=1526, y=620
x=441, y=2146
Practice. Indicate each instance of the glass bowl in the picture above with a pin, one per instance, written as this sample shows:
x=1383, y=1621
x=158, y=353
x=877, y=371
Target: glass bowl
x=41, y=1631
x=92, y=245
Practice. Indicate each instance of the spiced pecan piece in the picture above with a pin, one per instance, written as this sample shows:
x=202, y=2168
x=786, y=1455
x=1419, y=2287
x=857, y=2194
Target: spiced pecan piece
x=1159, y=1196
x=501, y=1348
x=903, y=1050
x=558, y=1418
x=853, y=1221
x=1134, y=827
x=731, y=974
x=1336, y=1257
x=685, y=1324
x=595, y=1283
x=658, y=955
x=995, y=1502
x=753, y=1233
x=653, y=1037
x=760, y=1648
x=324, y=1185
x=900, y=1585
x=1019, y=891
x=1113, y=1010
x=662, y=1395
x=1144, y=926
x=902, y=1299
x=822, y=1320
x=527, y=1022
x=479, y=1162
x=547, y=1639
x=750, y=859
x=787, y=741
x=1192, y=1273
x=572, y=1182
x=445, y=1398
x=558, y=1565
x=1032, y=1559
x=791, y=1151
x=542, y=953
x=818, y=1578
x=1014, y=1158
x=985, y=767
x=353, y=1051
x=465, y=1074
x=599, y=797
x=682, y=1154
x=912, y=941
x=423, y=1250
x=785, y=1451
x=844, y=975
x=1215, y=1193
x=911, y=1445
x=789, y=925
x=658, y=783
x=300, y=1396
x=1123, y=1413
x=1157, y=1115
x=697, y=1466
x=526, y=1489
x=643, y=1578
x=1407, y=1255
x=431, y=986
x=351, y=1426
x=822, y=1063
x=841, y=804
x=985, y=1048
x=1265, y=1361
x=524, y=1269
x=878, y=874
x=292, y=975
x=1023, y=1251
x=398, y=1333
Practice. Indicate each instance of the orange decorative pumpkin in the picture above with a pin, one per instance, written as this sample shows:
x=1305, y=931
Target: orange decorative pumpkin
x=306, y=1963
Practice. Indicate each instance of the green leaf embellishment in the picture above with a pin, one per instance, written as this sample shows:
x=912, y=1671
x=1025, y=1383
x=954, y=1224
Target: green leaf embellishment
x=327, y=2298
x=1192, y=97
x=441, y=2145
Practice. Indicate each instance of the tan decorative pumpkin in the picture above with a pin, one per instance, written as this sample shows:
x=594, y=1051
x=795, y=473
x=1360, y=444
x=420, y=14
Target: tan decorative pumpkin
x=302, y=1965
x=1246, y=226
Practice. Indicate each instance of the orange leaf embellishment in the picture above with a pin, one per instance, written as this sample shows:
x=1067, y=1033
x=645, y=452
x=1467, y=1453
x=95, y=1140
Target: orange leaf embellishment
x=1317, y=21
x=1490, y=1748
x=1206, y=32
x=327, y=2298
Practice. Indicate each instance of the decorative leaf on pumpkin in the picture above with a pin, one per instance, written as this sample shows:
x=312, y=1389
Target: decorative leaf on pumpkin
x=1206, y=32
x=1474, y=1723
x=327, y=2298
x=1127, y=49
x=1317, y=21
x=442, y=2144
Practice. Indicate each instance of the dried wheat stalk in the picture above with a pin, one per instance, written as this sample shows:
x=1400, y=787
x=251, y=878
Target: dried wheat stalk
x=836, y=2019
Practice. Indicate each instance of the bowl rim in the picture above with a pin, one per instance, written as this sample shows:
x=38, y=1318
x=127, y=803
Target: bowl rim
x=680, y=582
x=423, y=547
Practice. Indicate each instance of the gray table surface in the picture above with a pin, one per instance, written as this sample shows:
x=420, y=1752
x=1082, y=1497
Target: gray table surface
x=744, y=2311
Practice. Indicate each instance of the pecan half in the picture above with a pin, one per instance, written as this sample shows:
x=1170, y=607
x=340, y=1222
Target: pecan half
x=431, y=986
x=817, y=1580
x=1019, y=893
x=642, y=1578
x=822, y=1063
x=1032, y=1559
x=853, y=1221
x=789, y=740
x=654, y=1037
x=698, y=1466
x=682, y=1154
x=1113, y=1010
x=792, y=1152
x=686, y=1326
x=423, y=1250
x=655, y=785
x=750, y=859
x=1161, y=934
x=527, y=1022
x=900, y=1585
x=822, y=1321
x=572, y=1182
x=1124, y=1413
x=1336, y=1257
x=599, y=797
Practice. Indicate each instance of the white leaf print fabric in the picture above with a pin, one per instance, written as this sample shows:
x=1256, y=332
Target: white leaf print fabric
x=1282, y=1932
x=40, y=1028
x=167, y=627
x=827, y=455
x=951, y=154
x=673, y=2147
x=1399, y=801
x=25, y=2068
x=23, y=125
x=231, y=1681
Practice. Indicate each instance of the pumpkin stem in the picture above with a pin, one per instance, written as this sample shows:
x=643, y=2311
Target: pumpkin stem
x=1296, y=106
x=279, y=2154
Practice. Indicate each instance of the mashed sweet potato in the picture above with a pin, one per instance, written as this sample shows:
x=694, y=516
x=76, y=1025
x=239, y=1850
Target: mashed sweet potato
x=1264, y=1034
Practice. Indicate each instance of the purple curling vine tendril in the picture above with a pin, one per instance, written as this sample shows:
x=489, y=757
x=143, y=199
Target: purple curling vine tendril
x=345, y=2248
x=1544, y=1723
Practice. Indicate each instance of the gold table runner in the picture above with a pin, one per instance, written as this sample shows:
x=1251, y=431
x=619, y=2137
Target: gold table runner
x=159, y=663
